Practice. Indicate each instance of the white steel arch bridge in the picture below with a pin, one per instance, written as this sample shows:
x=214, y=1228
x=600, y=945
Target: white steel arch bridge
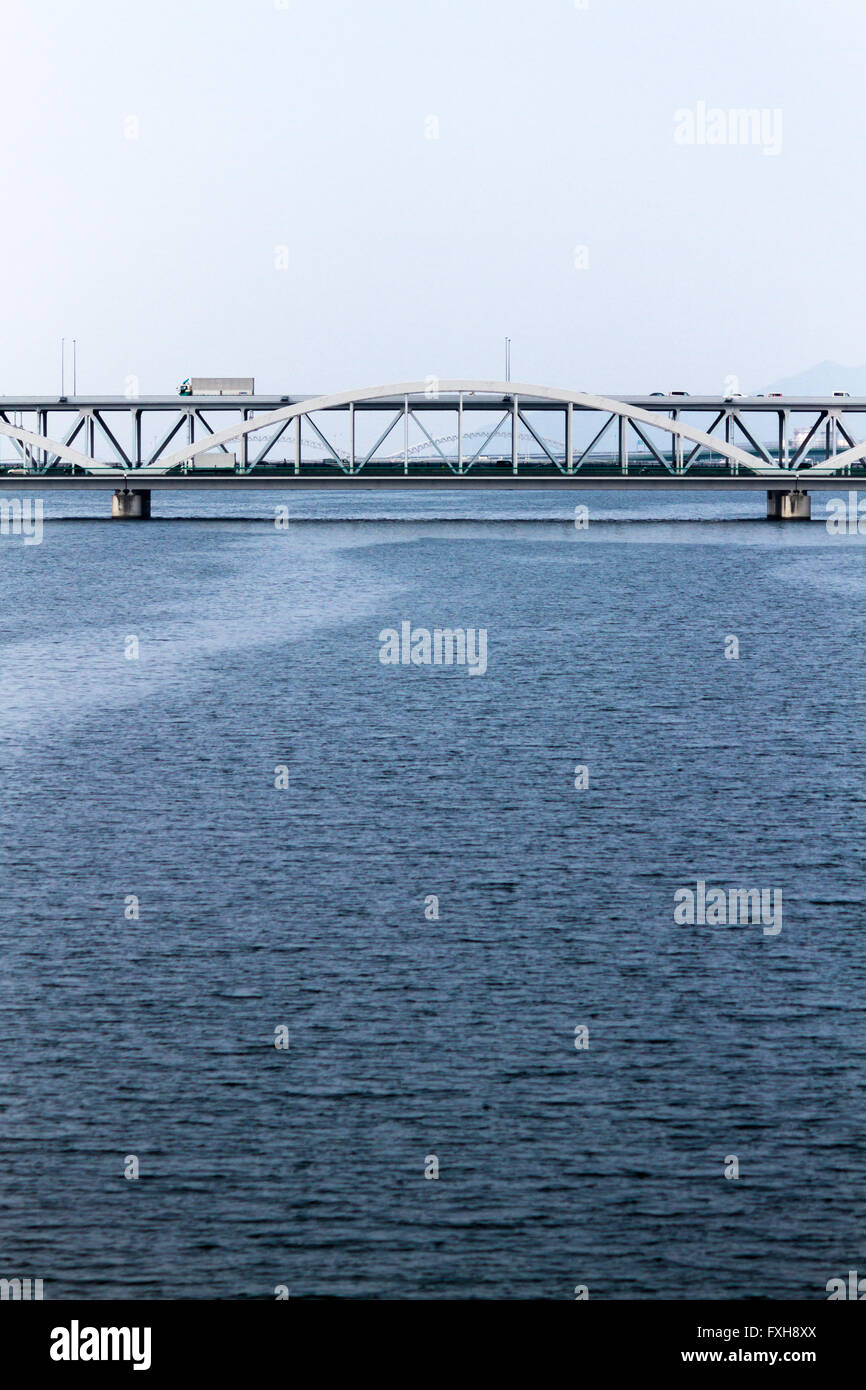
x=443, y=431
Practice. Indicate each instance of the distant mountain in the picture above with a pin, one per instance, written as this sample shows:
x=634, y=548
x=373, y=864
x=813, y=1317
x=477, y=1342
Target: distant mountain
x=823, y=380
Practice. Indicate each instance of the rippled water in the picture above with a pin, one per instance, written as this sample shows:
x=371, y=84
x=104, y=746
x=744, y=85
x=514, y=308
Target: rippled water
x=412, y=1037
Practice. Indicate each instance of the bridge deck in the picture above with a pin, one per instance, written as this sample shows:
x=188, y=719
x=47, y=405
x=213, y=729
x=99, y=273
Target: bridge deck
x=445, y=400
x=467, y=483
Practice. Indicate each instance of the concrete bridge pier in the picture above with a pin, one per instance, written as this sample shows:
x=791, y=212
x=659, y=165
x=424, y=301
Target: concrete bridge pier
x=789, y=506
x=131, y=504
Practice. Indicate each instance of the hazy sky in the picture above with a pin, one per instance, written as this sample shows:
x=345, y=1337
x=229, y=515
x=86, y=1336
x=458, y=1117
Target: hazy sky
x=156, y=156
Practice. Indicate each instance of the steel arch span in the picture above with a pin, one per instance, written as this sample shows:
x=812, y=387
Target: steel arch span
x=509, y=395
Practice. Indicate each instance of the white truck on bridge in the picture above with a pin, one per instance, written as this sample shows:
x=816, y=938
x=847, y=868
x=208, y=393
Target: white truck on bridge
x=217, y=386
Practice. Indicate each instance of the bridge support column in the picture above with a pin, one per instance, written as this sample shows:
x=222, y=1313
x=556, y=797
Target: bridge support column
x=132, y=505
x=789, y=506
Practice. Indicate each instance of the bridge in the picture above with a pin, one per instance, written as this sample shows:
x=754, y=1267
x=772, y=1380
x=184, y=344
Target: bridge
x=460, y=434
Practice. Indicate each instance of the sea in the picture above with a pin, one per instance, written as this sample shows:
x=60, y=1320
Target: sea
x=324, y=975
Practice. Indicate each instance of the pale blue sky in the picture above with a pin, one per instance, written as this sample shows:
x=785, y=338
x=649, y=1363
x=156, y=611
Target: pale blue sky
x=306, y=126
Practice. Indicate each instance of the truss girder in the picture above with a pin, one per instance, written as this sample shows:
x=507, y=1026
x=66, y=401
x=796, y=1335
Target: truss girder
x=510, y=400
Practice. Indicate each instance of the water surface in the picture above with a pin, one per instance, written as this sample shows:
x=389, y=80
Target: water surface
x=411, y=1037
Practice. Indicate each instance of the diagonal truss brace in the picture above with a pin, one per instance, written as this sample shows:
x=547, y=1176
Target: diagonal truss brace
x=591, y=445
x=383, y=436
x=759, y=448
x=119, y=450
x=539, y=441
x=424, y=430
x=343, y=461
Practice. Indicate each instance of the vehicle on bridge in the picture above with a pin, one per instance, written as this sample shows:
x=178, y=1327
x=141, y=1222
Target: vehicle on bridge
x=217, y=386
